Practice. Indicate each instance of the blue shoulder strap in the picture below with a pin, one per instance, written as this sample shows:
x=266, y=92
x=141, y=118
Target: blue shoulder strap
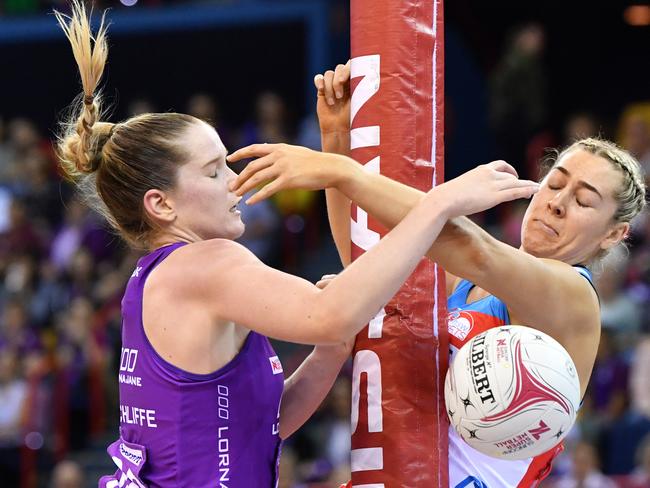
x=584, y=271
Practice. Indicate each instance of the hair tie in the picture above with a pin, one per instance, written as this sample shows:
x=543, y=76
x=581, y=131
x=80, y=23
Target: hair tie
x=89, y=99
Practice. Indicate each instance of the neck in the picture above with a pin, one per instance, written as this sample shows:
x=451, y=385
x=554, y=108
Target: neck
x=172, y=237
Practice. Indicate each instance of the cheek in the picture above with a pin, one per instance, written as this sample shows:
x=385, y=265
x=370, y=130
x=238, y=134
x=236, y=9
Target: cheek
x=528, y=213
x=212, y=193
x=588, y=229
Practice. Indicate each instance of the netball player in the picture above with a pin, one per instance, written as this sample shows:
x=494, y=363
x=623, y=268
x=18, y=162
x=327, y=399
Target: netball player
x=583, y=209
x=200, y=385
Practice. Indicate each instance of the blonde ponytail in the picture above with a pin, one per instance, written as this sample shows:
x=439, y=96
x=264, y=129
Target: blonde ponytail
x=114, y=165
x=80, y=147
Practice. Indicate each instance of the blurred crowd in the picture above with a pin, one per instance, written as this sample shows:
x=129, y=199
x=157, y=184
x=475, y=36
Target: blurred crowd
x=62, y=274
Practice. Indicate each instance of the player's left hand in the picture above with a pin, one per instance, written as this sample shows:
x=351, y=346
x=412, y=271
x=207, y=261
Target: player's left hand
x=333, y=99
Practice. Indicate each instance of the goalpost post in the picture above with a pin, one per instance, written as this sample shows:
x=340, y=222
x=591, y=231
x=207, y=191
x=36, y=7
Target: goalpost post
x=399, y=425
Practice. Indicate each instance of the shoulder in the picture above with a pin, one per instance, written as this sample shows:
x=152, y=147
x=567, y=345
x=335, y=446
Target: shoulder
x=577, y=278
x=212, y=251
x=576, y=289
x=193, y=267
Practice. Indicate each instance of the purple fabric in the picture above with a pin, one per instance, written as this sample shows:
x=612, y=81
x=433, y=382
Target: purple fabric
x=609, y=376
x=218, y=429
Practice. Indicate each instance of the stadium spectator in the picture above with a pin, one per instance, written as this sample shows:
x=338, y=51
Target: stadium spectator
x=13, y=394
x=67, y=474
x=585, y=472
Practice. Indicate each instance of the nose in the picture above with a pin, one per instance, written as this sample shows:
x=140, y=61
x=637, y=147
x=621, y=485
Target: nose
x=556, y=205
x=230, y=175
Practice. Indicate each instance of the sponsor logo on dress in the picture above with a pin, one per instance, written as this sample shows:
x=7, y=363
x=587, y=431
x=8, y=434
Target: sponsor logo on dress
x=133, y=455
x=276, y=365
x=460, y=323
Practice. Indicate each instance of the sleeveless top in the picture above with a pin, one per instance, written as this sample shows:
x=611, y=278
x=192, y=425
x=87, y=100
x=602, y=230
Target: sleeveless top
x=468, y=467
x=179, y=429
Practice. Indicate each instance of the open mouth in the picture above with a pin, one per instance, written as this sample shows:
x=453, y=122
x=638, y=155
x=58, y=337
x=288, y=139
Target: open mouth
x=234, y=208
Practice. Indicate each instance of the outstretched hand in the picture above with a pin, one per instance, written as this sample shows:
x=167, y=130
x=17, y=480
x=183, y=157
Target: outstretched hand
x=284, y=167
x=484, y=187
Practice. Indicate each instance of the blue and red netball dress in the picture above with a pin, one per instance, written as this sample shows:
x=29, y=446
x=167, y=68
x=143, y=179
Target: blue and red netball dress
x=468, y=467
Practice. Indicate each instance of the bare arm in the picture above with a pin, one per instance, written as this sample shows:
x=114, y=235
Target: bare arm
x=556, y=299
x=545, y=294
x=333, y=109
x=308, y=315
x=462, y=248
x=235, y=286
x=338, y=204
x=306, y=388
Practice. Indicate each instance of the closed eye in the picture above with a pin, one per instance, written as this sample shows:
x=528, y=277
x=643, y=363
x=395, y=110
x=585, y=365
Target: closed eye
x=584, y=205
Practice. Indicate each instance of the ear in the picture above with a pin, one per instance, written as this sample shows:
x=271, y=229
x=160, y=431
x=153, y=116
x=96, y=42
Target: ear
x=615, y=235
x=159, y=206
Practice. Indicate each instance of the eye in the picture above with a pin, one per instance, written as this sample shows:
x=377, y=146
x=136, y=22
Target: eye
x=216, y=173
x=581, y=204
x=553, y=187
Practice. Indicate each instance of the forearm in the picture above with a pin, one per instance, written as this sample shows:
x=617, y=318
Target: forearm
x=336, y=142
x=338, y=215
x=338, y=204
x=306, y=388
x=381, y=271
x=461, y=244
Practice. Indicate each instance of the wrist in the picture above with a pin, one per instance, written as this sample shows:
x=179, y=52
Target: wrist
x=442, y=202
x=348, y=177
x=336, y=132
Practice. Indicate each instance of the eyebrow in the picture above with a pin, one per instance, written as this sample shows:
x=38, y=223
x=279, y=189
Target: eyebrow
x=213, y=160
x=581, y=183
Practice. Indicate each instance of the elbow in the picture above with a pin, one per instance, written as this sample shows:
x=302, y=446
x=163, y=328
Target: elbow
x=334, y=325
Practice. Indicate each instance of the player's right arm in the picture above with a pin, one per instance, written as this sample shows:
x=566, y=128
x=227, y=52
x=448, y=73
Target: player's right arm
x=237, y=287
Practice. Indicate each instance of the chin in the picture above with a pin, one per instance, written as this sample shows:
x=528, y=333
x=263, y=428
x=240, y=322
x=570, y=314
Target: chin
x=535, y=249
x=238, y=232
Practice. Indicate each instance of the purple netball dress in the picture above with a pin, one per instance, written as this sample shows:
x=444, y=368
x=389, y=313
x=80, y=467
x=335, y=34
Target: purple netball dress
x=179, y=429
